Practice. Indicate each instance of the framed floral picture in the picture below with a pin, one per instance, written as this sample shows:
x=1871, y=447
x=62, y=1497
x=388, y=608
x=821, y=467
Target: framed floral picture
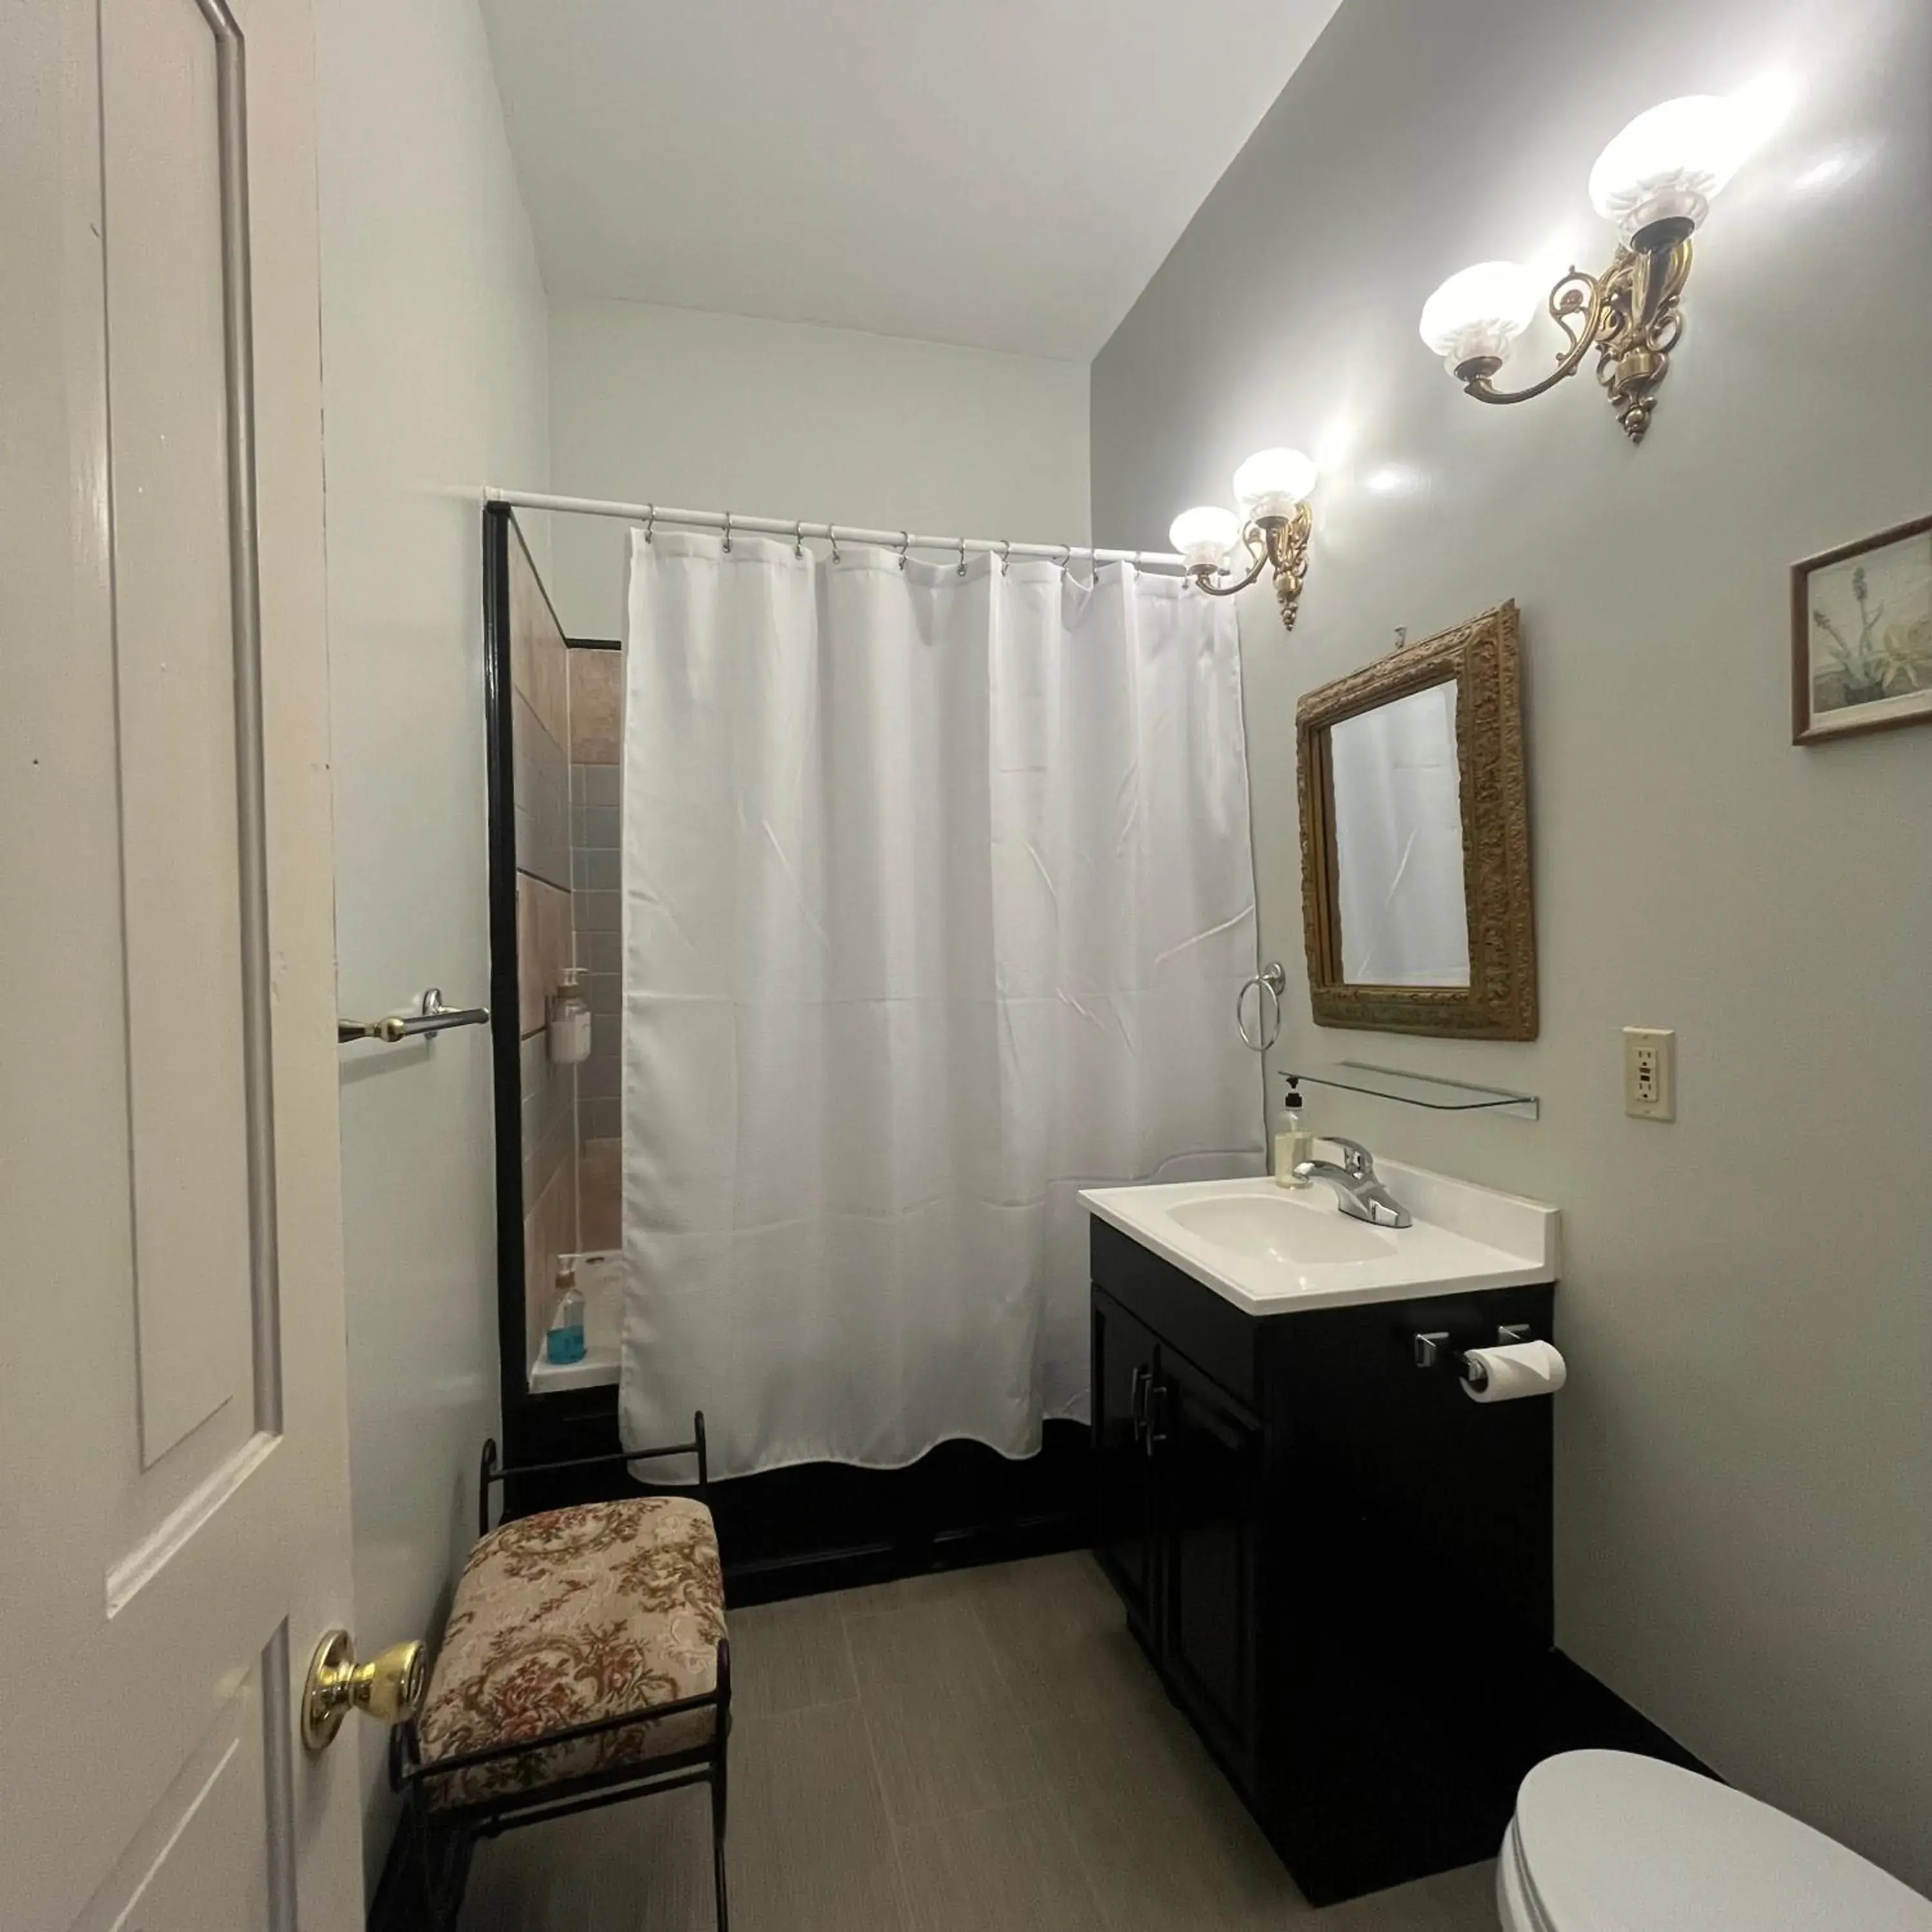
x=1861, y=636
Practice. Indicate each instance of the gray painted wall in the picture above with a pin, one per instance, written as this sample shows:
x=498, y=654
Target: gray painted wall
x=791, y=419
x=1745, y=1452
x=434, y=362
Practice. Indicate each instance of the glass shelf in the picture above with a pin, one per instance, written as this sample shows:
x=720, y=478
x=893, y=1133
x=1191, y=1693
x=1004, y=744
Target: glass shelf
x=1420, y=1090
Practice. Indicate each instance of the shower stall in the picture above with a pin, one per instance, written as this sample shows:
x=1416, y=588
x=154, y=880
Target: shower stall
x=1097, y=679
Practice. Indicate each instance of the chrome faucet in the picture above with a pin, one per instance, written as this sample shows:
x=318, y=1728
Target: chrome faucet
x=1359, y=1191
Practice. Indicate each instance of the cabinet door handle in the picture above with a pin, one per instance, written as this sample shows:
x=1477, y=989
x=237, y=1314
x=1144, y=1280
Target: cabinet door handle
x=1137, y=1405
x=1157, y=1393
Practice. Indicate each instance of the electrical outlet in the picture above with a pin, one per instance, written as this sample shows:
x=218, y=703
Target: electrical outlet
x=1650, y=1073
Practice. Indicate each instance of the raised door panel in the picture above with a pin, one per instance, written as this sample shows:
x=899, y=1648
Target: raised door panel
x=1209, y=1454
x=200, y=1859
x=190, y=810
x=1124, y=1362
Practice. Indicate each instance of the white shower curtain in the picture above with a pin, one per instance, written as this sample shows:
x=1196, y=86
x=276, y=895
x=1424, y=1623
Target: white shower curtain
x=938, y=891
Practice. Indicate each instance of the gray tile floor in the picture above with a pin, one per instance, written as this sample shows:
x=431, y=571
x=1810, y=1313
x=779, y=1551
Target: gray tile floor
x=981, y=1751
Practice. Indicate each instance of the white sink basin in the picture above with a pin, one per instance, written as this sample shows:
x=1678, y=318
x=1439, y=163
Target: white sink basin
x=1268, y=1248
x=1281, y=1228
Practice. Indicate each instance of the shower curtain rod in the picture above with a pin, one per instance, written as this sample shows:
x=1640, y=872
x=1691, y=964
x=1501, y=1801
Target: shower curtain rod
x=798, y=529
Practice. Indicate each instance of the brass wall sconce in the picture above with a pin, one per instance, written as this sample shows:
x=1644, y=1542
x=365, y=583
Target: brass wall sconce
x=1273, y=486
x=1656, y=182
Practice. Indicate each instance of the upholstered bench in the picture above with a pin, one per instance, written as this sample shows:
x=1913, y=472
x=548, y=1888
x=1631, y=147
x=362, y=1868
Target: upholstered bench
x=584, y=1662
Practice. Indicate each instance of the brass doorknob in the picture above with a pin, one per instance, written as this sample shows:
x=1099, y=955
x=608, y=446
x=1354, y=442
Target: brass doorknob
x=389, y=1687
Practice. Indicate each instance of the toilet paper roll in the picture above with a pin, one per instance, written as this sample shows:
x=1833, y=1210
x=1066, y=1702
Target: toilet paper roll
x=1514, y=1370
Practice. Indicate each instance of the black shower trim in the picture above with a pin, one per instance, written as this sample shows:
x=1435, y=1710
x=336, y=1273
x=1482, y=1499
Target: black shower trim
x=500, y=530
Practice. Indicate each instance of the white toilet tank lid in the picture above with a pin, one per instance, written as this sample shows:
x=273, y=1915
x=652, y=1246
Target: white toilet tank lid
x=1612, y=1843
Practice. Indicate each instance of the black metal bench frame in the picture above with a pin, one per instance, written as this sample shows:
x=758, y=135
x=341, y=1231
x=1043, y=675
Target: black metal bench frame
x=437, y=1826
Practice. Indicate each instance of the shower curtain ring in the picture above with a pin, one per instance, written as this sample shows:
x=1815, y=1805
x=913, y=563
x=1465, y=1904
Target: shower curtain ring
x=1006, y=555
x=727, y=533
x=1065, y=557
x=962, y=557
x=798, y=539
x=650, y=520
x=905, y=543
x=831, y=537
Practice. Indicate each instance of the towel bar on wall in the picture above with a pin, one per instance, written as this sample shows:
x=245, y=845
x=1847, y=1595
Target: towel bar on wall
x=431, y=1016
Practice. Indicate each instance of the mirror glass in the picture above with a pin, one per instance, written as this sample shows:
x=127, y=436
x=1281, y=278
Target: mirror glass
x=1398, y=829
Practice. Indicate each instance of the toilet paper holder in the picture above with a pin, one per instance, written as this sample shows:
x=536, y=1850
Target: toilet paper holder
x=1434, y=1350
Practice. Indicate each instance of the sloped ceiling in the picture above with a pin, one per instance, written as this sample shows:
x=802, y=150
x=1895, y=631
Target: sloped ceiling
x=1003, y=174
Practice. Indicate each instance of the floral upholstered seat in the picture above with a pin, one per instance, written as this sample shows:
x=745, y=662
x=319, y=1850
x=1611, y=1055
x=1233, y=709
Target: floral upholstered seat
x=567, y=1617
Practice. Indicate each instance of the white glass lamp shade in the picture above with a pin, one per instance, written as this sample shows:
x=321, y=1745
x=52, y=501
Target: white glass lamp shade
x=1204, y=535
x=1670, y=160
x=1273, y=482
x=1477, y=314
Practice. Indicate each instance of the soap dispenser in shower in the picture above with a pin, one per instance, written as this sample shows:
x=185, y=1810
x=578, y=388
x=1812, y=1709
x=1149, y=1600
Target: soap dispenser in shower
x=563, y=1340
x=569, y=1021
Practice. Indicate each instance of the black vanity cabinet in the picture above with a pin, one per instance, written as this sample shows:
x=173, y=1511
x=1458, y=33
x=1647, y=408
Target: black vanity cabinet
x=1207, y=1451
x=1339, y=1565
x=1125, y=1358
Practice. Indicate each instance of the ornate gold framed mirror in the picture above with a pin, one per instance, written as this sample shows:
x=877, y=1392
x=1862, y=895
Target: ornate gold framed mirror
x=1415, y=887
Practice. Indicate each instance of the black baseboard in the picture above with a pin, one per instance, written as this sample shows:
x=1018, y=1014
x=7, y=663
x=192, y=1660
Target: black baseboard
x=401, y=1902
x=823, y=1526
x=1581, y=1712
x=771, y=1578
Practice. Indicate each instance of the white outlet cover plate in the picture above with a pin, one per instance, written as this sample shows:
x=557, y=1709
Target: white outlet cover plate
x=1650, y=1073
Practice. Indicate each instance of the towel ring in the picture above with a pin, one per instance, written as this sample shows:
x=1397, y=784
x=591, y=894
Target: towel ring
x=727, y=533
x=905, y=543
x=1271, y=980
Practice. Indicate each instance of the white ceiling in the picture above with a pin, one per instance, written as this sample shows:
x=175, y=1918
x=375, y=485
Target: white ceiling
x=1004, y=173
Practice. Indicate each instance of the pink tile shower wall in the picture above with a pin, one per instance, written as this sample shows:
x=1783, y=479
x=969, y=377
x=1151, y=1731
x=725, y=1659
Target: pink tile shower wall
x=596, y=720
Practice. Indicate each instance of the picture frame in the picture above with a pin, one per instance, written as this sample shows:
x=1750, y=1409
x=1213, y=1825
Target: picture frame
x=1861, y=636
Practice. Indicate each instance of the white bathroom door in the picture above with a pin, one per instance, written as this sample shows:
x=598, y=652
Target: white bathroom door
x=173, y=1468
